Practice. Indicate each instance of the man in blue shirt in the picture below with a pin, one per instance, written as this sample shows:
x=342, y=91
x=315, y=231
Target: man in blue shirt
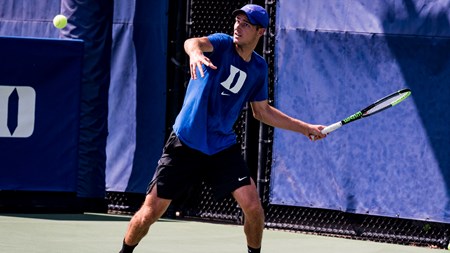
x=226, y=73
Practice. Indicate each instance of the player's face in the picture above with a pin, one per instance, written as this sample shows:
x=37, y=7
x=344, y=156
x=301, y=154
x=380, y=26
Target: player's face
x=244, y=32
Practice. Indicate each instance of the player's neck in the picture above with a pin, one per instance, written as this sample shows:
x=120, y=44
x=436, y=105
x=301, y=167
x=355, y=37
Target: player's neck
x=245, y=52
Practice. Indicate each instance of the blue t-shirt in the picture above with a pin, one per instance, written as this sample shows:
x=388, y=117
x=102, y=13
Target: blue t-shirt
x=213, y=103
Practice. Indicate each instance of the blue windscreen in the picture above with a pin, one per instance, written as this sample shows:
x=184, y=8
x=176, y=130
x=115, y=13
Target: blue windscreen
x=39, y=113
x=328, y=66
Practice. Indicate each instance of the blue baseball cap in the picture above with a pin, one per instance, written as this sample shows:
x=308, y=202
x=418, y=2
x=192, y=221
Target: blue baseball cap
x=256, y=14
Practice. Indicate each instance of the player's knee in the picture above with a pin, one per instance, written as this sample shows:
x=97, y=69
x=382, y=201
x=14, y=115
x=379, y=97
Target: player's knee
x=255, y=211
x=147, y=216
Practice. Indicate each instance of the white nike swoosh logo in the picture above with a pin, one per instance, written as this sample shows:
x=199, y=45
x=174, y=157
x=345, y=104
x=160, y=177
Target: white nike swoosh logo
x=224, y=93
x=241, y=178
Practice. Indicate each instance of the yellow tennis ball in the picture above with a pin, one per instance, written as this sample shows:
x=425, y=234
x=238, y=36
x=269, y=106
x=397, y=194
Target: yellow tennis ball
x=60, y=21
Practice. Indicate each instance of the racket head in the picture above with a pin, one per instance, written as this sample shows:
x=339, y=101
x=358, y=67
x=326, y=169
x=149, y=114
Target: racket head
x=386, y=102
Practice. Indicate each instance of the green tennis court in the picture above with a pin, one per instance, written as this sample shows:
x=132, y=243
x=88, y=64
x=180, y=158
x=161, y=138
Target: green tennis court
x=57, y=233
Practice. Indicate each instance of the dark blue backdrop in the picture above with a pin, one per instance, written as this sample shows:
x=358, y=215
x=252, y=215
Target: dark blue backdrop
x=335, y=58
x=41, y=100
x=123, y=99
x=137, y=96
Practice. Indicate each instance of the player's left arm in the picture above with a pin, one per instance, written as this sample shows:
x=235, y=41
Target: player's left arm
x=271, y=116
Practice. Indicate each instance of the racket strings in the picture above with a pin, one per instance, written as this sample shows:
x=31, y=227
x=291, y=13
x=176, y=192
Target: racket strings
x=388, y=102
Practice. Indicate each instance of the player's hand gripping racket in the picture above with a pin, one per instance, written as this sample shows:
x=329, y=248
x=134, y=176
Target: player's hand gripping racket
x=378, y=106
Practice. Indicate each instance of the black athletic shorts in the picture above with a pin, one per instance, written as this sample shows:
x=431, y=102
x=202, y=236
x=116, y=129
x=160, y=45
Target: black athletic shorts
x=180, y=168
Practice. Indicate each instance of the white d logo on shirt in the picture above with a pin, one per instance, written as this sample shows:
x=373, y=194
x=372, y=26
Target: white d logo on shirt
x=228, y=84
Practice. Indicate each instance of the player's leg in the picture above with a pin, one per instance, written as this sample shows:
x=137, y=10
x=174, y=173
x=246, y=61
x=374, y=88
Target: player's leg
x=173, y=176
x=152, y=209
x=248, y=199
x=231, y=175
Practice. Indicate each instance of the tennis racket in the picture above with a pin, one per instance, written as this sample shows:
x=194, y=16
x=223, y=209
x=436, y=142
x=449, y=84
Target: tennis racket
x=380, y=105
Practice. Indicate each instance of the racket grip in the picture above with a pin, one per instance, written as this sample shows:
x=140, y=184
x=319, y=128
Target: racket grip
x=331, y=127
x=328, y=129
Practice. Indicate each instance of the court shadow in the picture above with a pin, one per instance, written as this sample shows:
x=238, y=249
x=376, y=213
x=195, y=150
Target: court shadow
x=70, y=217
x=77, y=217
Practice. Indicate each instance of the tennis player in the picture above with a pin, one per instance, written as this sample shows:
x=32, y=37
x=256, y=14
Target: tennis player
x=225, y=74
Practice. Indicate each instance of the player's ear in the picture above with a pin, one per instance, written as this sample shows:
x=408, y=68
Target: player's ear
x=261, y=31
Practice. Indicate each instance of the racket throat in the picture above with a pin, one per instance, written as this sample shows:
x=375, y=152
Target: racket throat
x=352, y=117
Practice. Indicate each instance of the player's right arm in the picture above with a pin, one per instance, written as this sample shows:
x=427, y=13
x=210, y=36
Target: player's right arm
x=271, y=116
x=194, y=47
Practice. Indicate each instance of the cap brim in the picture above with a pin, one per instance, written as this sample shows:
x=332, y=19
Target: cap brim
x=237, y=12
